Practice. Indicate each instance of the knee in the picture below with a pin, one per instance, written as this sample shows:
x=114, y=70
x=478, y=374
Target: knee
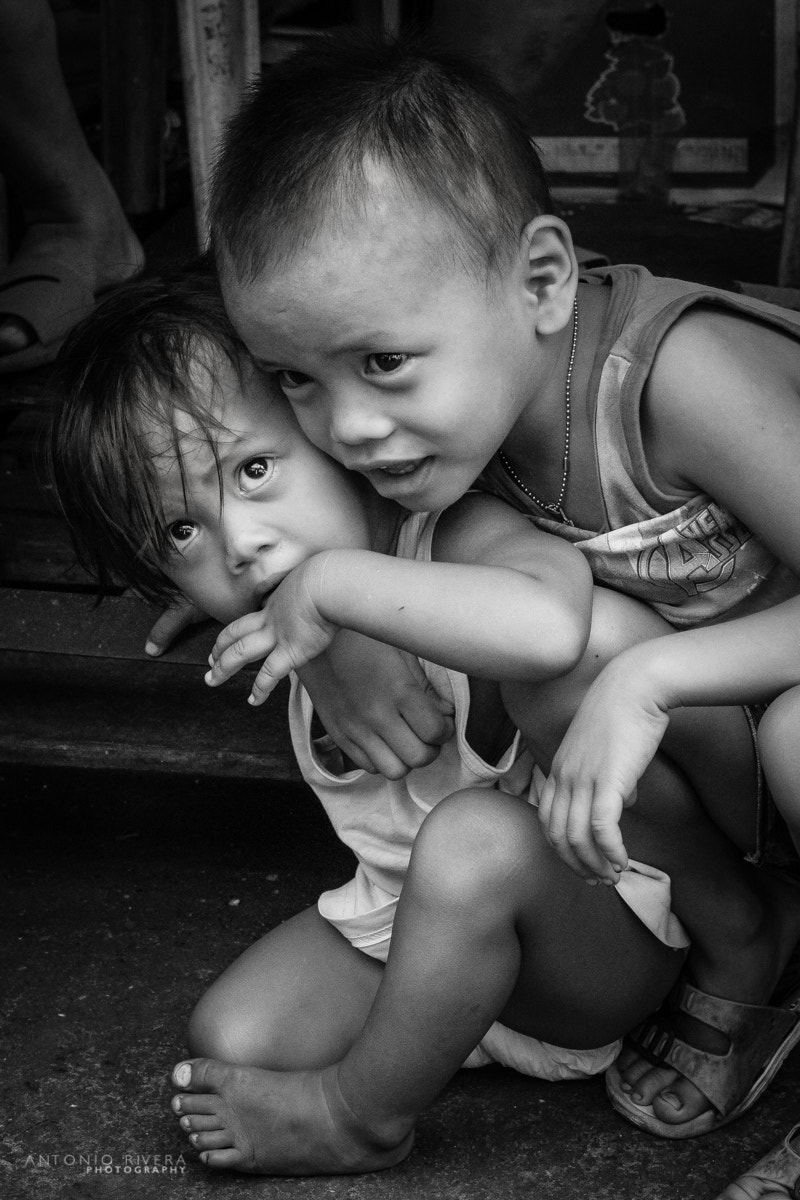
x=475, y=843
x=218, y=1029
x=778, y=734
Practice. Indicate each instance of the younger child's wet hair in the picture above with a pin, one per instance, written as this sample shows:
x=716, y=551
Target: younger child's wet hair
x=295, y=152
x=128, y=368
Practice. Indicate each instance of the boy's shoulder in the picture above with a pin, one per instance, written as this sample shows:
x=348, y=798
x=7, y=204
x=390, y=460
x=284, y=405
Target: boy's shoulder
x=476, y=522
x=643, y=308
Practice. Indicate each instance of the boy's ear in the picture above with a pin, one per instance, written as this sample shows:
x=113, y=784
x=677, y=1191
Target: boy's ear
x=550, y=271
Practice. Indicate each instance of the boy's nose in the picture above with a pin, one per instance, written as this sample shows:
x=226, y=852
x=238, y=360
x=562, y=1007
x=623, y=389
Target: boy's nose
x=356, y=419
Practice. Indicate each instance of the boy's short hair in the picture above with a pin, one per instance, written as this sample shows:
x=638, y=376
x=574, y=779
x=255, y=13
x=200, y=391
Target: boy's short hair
x=296, y=149
x=129, y=367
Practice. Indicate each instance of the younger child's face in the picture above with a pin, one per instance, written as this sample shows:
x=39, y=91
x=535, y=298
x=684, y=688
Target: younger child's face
x=396, y=361
x=274, y=501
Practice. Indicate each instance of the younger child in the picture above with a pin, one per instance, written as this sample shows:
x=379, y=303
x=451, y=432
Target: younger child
x=388, y=250
x=183, y=472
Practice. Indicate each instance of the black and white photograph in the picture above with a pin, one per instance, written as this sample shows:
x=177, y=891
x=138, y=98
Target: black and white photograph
x=400, y=552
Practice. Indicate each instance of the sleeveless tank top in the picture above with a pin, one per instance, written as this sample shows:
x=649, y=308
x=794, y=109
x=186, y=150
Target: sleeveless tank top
x=695, y=563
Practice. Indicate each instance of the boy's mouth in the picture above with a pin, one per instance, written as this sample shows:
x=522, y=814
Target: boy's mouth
x=405, y=467
x=403, y=470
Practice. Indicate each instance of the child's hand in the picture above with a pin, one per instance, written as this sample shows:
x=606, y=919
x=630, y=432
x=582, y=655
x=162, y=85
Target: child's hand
x=377, y=705
x=610, y=742
x=173, y=621
x=287, y=632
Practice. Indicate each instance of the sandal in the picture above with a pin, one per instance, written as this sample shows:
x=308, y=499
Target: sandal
x=778, y=1169
x=50, y=303
x=761, y=1037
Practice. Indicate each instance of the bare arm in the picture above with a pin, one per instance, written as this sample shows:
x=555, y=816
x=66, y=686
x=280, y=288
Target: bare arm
x=721, y=416
x=510, y=603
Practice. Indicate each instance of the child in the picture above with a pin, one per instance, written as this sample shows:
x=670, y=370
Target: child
x=182, y=471
x=387, y=250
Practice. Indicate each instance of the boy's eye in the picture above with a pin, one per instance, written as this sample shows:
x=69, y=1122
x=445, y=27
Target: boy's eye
x=290, y=380
x=182, y=532
x=384, y=364
x=255, y=472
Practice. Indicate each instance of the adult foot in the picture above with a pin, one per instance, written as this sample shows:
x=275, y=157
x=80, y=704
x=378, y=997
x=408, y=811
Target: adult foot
x=278, y=1122
x=99, y=256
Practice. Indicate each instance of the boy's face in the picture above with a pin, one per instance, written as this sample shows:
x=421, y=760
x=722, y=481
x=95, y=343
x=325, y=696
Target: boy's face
x=395, y=360
x=274, y=501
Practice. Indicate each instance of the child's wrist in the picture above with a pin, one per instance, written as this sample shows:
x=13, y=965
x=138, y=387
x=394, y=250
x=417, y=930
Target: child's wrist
x=647, y=669
x=317, y=579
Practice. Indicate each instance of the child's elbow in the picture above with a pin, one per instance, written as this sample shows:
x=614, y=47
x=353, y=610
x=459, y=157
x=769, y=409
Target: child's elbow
x=567, y=647
x=560, y=644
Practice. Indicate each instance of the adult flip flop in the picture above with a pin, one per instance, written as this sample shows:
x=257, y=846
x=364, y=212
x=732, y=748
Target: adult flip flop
x=51, y=301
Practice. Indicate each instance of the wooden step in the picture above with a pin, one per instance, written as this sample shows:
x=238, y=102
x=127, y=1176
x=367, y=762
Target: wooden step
x=76, y=689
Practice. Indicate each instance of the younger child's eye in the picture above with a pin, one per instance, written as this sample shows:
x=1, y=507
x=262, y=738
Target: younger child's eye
x=181, y=532
x=255, y=472
x=384, y=364
x=291, y=380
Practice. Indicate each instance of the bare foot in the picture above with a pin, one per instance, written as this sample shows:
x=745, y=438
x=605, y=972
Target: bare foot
x=279, y=1122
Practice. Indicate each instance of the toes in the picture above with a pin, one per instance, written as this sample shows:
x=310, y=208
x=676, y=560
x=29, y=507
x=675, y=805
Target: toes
x=631, y=1071
x=15, y=334
x=651, y=1083
x=199, y=1075
x=679, y=1102
x=223, y=1160
x=213, y=1139
x=199, y=1124
x=187, y=1103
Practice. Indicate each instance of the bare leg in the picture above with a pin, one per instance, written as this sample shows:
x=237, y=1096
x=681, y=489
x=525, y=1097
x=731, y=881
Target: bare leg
x=72, y=215
x=296, y=999
x=741, y=939
x=481, y=929
x=780, y=755
x=779, y=746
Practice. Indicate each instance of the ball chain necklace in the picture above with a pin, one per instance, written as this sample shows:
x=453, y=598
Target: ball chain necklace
x=556, y=506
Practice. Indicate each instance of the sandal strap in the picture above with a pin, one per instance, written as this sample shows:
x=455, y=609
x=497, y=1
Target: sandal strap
x=50, y=302
x=755, y=1031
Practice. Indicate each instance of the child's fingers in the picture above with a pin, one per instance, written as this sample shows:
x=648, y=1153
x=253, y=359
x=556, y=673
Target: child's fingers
x=237, y=630
x=580, y=834
x=545, y=790
x=273, y=670
x=169, y=625
x=565, y=817
x=428, y=714
x=238, y=654
x=606, y=812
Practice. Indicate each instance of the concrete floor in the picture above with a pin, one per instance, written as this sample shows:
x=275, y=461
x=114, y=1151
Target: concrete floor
x=124, y=895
